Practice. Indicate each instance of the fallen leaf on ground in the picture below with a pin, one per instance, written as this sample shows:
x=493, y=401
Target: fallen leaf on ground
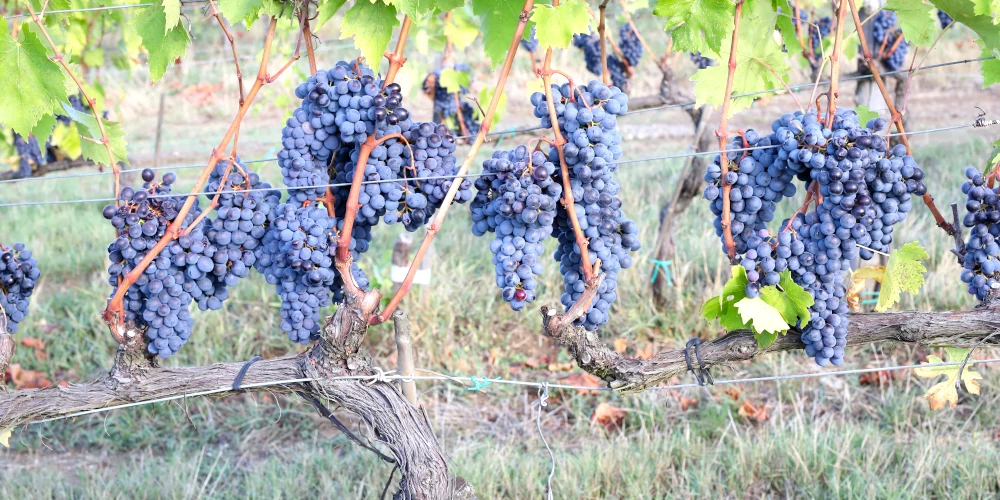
x=880, y=378
x=560, y=367
x=583, y=379
x=645, y=353
x=610, y=417
x=753, y=412
x=37, y=345
x=26, y=379
x=733, y=392
x=531, y=363
x=946, y=393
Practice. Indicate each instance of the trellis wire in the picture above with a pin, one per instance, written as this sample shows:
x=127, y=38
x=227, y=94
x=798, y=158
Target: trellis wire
x=105, y=7
x=471, y=379
x=382, y=181
x=760, y=92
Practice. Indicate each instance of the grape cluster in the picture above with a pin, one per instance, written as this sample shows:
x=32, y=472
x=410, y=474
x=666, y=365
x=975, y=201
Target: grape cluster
x=297, y=258
x=430, y=174
x=886, y=34
x=516, y=199
x=18, y=275
x=446, y=106
x=629, y=44
x=701, y=61
x=591, y=46
x=981, y=259
x=531, y=44
x=866, y=188
x=944, y=18
x=589, y=124
x=158, y=300
x=340, y=107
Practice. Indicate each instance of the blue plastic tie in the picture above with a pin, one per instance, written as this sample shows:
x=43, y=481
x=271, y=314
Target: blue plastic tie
x=665, y=265
x=481, y=383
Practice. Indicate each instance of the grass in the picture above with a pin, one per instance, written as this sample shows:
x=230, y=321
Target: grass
x=828, y=437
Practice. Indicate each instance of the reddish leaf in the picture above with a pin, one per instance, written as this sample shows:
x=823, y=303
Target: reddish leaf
x=531, y=363
x=610, y=417
x=733, y=392
x=583, y=379
x=620, y=345
x=26, y=379
x=880, y=378
x=37, y=345
x=753, y=412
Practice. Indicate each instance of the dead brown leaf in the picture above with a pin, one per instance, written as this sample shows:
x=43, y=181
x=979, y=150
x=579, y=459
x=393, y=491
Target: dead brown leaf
x=880, y=378
x=583, y=379
x=531, y=363
x=561, y=367
x=25, y=379
x=733, y=392
x=620, y=345
x=609, y=417
x=645, y=353
x=37, y=345
x=754, y=413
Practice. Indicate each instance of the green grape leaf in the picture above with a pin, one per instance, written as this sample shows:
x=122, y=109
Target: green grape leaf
x=327, y=10
x=453, y=81
x=172, y=11
x=758, y=59
x=732, y=292
x=43, y=129
x=371, y=25
x=963, y=11
x=557, y=25
x=67, y=139
x=789, y=299
x=990, y=69
x=485, y=95
x=761, y=316
x=917, y=19
x=414, y=8
x=984, y=8
x=903, y=273
x=33, y=85
x=786, y=26
x=765, y=339
x=461, y=29
x=163, y=48
x=711, y=309
x=697, y=25
x=88, y=128
x=865, y=114
x=498, y=21
x=994, y=157
x=946, y=393
x=245, y=10
x=93, y=57
x=446, y=5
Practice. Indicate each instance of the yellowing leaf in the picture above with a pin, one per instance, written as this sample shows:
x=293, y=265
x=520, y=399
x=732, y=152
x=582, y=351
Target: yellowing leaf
x=172, y=10
x=874, y=272
x=853, y=295
x=903, y=273
x=5, y=436
x=759, y=62
x=946, y=393
x=762, y=316
x=371, y=25
x=557, y=25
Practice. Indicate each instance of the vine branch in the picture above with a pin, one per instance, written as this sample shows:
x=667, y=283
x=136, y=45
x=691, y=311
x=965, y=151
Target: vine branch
x=232, y=44
x=722, y=133
x=838, y=42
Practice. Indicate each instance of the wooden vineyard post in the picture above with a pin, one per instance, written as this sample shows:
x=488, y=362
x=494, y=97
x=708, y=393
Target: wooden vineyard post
x=401, y=262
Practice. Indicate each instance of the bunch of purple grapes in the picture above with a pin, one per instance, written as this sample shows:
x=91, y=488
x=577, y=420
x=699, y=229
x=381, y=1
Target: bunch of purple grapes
x=18, y=275
x=629, y=44
x=866, y=188
x=944, y=18
x=886, y=33
x=981, y=259
x=591, y=47
x=447, y=107
x=701, y=61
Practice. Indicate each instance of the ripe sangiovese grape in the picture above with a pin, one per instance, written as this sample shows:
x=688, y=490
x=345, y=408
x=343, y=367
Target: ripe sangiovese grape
x=885, y=34
x=866, y=187
x=944, y=18
x=981, y=261
x=589, y=123
x=629, y=44
x=521, y=207
x=30, y=155
x=701, y=61
x=158, y=301
x=591, y=46
x=531, y=43
x=341, y=106
x=18, y=275
x=446, y=106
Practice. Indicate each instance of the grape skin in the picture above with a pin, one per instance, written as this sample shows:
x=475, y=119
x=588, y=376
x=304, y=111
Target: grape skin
x=981, y=259
x=18, y=275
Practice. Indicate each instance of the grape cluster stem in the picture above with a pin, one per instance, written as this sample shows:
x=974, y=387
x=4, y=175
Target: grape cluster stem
x=232, y=44
x=897, y=119
x=723, y=134
x=601, y=31
x=438, y=220
x=838, y=42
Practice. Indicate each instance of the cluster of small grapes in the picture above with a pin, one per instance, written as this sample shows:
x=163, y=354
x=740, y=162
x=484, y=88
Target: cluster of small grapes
x=866, y=188
x=531, y=43
x=340, y=107
x=591, y=46
x=18, y=274
x=817, y=32
x=701, y=61
x=430, y=174
x=589, y=123
x=516, y=199
x=886, y=33
x=629, y=44
x=944, y=18
x=446, y=106
x=158, y=300
x=981, y=260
